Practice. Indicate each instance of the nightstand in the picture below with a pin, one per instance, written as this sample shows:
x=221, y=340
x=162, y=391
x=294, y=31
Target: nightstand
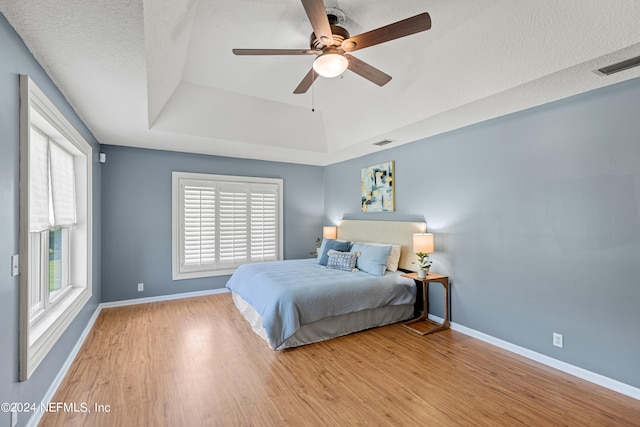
x=431, y=326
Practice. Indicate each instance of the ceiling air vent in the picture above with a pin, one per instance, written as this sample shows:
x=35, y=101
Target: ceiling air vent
x=617, y=67
x=383, y=142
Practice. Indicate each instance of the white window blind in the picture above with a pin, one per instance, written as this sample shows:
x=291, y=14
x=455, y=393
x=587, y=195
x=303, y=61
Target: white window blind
x=63, y=186
x=39, y=216
x=222, y=222
x=52, y=184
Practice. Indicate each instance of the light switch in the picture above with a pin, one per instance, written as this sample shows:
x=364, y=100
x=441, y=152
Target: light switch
x=15, y=265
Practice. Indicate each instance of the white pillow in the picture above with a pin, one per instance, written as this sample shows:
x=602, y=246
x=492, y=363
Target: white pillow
x=394, y=256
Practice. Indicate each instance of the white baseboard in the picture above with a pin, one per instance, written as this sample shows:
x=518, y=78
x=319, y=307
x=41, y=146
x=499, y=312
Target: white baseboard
x=598, y=379
x=162, y=298
x=48, y=397
x=592, y=377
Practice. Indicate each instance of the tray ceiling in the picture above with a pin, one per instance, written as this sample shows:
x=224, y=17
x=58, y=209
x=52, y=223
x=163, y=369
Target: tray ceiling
x=160, y=74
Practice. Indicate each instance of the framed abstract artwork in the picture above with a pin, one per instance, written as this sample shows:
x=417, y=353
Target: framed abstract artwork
x=378, y=188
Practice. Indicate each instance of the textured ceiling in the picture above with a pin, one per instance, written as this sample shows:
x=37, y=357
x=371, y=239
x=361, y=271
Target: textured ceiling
x=160, y=73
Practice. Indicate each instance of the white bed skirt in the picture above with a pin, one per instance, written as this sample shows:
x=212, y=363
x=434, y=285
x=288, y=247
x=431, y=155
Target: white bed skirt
x=330, y=327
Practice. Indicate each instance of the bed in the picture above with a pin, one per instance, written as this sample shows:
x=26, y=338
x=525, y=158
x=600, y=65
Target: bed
x=296, y=302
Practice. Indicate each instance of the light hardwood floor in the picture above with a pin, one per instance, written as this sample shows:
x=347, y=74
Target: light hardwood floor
x=196, y=362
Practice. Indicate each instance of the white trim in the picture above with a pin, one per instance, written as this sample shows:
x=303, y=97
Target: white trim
x=37, y=415
x=576, y=371
x=163, y=298
x=35, y=342
x=46, y=333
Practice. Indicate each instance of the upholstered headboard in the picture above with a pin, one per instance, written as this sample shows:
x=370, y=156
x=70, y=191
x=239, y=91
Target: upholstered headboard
x=395, y=232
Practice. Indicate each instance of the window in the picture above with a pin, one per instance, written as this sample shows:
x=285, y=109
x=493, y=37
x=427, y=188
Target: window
x=221, y=222
x=55, y=225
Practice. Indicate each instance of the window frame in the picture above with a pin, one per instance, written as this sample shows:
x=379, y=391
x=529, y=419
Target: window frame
x=53, y=298
x=40, y=333
x=179, y=179
x=40, y=243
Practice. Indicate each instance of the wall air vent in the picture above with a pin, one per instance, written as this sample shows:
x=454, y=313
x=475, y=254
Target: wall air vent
x=619, y=66
x=383, y=142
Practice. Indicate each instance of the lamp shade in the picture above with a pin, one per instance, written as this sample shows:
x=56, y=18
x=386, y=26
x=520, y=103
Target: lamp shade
x=329, y=232
x=423, y=242
x=330, y=64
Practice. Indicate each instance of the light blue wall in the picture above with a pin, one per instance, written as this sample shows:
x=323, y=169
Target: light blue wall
x=136, y=208
x=15, y=59
x=536, y=218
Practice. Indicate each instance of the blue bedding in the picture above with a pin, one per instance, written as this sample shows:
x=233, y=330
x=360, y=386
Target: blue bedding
x=289, y=294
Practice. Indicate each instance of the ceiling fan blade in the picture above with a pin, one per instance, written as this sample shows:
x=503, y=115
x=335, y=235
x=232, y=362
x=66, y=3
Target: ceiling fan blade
x=406, y=27
x=319, y=21
x=306, y=82
x=273, y=52
x=367, y=71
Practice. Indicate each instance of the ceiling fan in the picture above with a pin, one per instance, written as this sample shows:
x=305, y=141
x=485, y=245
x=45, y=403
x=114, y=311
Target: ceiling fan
x=330, y=43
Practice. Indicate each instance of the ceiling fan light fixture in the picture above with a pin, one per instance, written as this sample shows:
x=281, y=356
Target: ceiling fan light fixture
x=330, y=64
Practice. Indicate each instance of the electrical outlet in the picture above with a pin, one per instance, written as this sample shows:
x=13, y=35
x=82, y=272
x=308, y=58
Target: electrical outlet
x=140, y=287
x=557, y=340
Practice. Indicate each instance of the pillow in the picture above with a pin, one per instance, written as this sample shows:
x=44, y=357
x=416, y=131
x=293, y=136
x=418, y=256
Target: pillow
x=372, y=259
x=394, y=256
x=321, y=250
x=327, y=245
x=342, y=260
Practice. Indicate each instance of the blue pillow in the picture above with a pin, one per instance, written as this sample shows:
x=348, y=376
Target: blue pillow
x=329, y=244
x=372, y=259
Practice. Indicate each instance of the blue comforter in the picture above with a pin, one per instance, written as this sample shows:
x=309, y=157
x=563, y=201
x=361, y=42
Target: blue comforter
x=289, y=294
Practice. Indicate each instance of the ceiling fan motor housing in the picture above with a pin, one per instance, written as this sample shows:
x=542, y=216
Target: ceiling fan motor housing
x=339, y=34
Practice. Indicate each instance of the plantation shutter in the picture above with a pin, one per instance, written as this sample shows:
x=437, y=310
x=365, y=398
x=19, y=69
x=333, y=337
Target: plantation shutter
x=264, y=222
x=199, y=225
x=221, y=222
x=234, y=227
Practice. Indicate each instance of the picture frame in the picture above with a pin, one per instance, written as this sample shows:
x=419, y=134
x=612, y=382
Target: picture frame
x=378, y=188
